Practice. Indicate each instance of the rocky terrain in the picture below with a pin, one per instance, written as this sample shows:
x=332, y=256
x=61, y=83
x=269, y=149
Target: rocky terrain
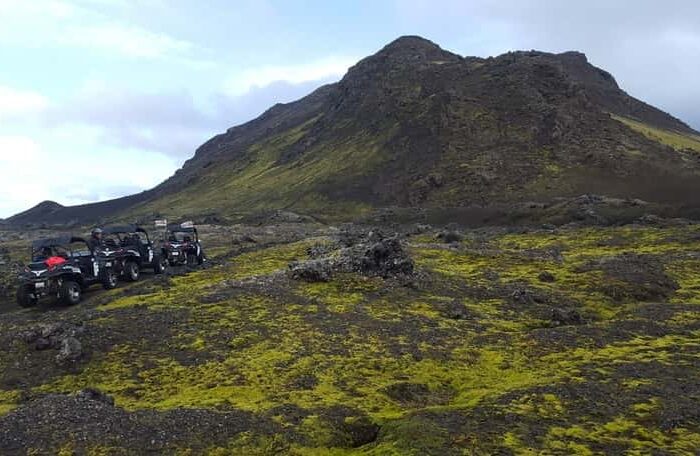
x=307, y=338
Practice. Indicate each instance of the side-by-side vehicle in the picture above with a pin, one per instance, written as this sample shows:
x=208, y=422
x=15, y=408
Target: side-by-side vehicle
x=62, y=268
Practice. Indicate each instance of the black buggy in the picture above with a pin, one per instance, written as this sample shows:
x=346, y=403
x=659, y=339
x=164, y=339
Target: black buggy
x=182, y=245
x=133, y=251
x=63, y=268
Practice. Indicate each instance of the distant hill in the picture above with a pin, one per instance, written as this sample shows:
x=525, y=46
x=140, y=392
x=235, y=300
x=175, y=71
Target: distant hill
x=415, y=126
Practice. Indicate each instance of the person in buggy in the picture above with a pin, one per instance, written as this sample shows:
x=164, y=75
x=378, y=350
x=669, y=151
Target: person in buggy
x=95, y=240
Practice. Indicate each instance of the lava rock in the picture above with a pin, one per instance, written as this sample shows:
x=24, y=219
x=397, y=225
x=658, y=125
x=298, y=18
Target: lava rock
x=450, y=237
x=311, y=271
x=455, y=310
x=385, y=258
x=71, y=350
x=92, y=394
x=566, y=317
x=42, y=343
x=634, y=277
x=546, y=276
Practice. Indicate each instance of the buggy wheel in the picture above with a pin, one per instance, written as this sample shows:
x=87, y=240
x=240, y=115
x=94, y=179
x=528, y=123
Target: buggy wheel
x=109, y=281
x=160, y=264
x=131, y=271
x=26, y=299
x=191, y=259
x=70, y=293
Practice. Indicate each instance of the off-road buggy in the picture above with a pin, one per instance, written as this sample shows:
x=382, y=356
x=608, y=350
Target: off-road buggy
x=182, y=245
x=63, y=268
x=133, y=251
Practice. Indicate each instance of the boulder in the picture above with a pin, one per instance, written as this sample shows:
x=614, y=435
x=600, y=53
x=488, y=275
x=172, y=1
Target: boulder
x=311, y=271
x=71, y=350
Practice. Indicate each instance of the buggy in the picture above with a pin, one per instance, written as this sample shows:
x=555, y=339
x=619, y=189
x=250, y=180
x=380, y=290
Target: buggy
x=182, y=245
x=63, y=268
x=133, y=250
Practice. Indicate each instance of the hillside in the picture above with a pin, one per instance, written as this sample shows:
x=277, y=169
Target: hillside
x=415, y=126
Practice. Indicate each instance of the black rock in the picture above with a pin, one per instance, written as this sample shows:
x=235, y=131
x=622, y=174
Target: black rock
x=456, y=311
x=42, y=343
x=450, y=237
x=566, y=317
x=92, y=394
x=311, y=271
x=546, y=276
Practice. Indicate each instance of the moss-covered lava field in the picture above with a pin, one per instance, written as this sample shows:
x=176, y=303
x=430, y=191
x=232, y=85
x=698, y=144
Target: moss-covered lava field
x=579, y=340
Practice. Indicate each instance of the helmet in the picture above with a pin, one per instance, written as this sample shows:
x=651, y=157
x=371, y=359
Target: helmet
x=96, y=231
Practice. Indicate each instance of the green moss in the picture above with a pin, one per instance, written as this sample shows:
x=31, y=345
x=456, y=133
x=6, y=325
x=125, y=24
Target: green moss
x=258, y=181
x=267, y=261
x=625, y=432
x=542, y=406
x=8, y=400
x=675, y=139
x=341, y=294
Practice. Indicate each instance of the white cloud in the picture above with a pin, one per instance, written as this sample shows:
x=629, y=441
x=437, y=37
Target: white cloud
x=332, y=67
x=126, y=40
x=85, y=25
x=16, y=149
x=16, y=103
x=71, y=167
x=56, y=9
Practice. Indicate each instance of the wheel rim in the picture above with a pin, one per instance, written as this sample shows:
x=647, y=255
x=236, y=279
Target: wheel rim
x=74, y=293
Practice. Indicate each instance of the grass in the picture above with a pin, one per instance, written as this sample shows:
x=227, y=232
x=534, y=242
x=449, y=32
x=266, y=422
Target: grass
x=258, y=182
x=675, y=139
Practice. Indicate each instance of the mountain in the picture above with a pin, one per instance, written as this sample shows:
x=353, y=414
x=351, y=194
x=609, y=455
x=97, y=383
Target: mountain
x=415, y=126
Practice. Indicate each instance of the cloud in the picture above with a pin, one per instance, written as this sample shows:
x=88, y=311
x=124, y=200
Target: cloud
x=15, y=149
x=168, y=122
x=75, y=173
x=84, y=25
x=324, y=69
x=126, y=40
x=15, y=103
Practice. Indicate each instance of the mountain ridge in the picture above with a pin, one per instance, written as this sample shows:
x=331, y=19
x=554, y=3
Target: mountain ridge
x=418, y=126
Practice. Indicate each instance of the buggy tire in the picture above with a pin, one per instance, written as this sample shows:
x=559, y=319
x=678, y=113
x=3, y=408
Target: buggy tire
x=191, y=259
x=25, y=299
x=131, y=271
x=109, y=279
x=70, y=293
x=160, y=264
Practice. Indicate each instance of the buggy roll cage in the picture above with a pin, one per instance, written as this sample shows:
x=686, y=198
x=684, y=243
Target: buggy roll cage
x=63, y=241
x=125, y=229
x=179, y=228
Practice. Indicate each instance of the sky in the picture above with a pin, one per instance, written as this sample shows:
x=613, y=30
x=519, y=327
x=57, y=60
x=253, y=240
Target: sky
x=104, y=98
